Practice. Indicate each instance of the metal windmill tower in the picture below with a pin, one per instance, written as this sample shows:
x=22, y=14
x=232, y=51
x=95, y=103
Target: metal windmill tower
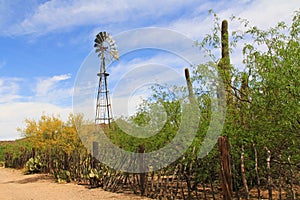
x=106, y=49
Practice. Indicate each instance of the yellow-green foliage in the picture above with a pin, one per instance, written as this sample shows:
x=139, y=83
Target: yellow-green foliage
x=51, y=132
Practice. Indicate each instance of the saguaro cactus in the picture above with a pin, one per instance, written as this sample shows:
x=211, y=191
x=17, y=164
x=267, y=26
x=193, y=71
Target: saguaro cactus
x=225, y=72
x=224, y=64
x=190, y=87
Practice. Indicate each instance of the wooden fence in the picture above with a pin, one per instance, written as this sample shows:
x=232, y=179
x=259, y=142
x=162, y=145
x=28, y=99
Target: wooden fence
x=219, y=175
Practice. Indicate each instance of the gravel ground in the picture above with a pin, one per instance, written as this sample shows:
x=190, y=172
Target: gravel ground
x=14, y=185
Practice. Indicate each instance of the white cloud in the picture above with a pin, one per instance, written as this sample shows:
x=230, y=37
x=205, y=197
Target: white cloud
x=56, y=14
x=51, y=96
x=45, y=85
x=46, y=89
x=13, y=115
x=265, y=13
x=261, y=13
x=9, y=89
x=61, y=15
x=53, y=89
x=168, y=60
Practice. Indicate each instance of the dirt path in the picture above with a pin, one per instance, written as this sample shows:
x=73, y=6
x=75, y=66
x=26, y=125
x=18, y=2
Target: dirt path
x=14, y=186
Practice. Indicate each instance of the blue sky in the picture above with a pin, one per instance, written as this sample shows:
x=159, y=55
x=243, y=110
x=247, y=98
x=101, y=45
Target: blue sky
x=44, y=43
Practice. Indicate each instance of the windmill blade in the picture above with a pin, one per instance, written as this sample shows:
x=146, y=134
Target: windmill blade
x=111, y=42
x=115, y=54
x=101, y=37
x=104, y=34
x=97, y=45
x=98, y=50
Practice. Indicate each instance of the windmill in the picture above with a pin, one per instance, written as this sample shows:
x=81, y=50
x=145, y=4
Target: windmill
x=106, y=49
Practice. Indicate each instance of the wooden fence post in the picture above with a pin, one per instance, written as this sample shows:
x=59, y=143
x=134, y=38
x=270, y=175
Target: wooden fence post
x=33, y=152
x=66, y=161
x=142, y=150
x=225, y=174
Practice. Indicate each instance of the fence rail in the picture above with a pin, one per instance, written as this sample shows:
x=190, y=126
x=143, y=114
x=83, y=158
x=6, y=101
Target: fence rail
x=250, y=177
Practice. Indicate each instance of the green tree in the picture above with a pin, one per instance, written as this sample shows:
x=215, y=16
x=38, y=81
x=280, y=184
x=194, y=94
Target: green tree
x=272, y=60
x=265, y=96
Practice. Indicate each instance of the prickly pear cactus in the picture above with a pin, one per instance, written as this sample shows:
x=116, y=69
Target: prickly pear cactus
x=33, y=165
x=63, y=176
x=94, y=178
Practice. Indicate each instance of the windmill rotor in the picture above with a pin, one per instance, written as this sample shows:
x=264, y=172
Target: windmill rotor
x=103, y=38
